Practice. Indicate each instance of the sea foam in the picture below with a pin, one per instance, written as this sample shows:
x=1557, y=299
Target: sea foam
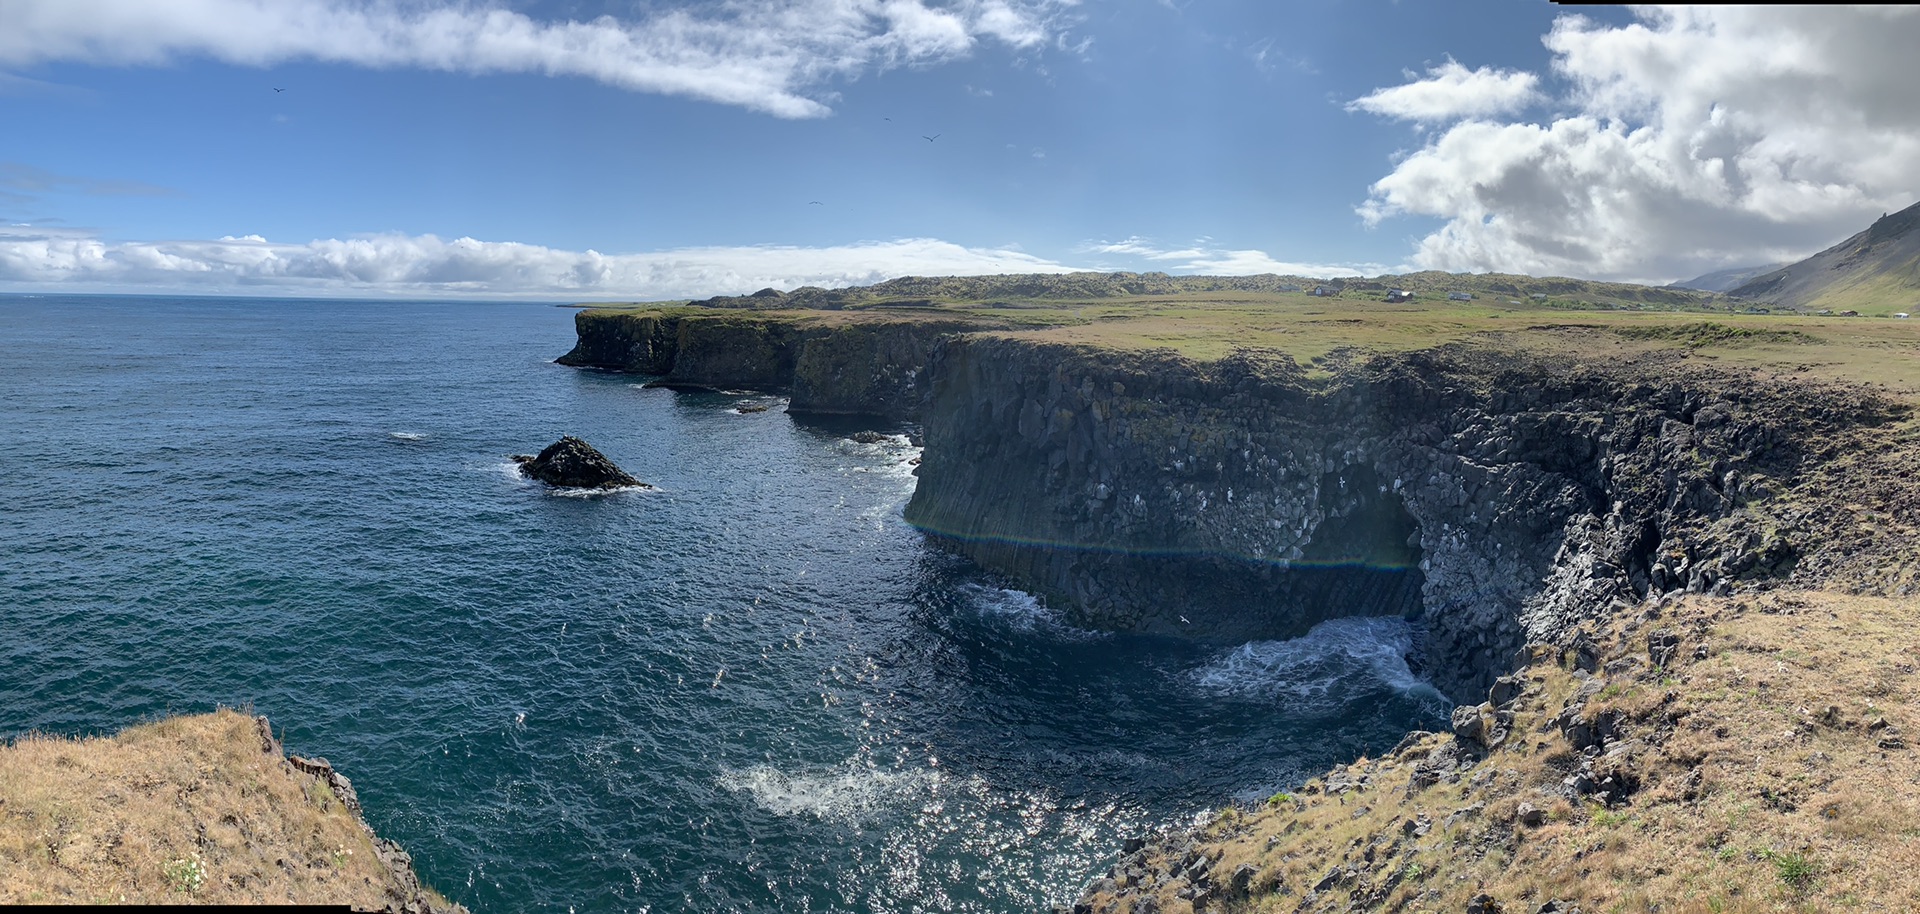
x=1320, y=671
x=854, y=793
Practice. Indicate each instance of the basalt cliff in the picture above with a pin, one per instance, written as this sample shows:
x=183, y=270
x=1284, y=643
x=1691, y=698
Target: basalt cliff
x=1502, y=494
x=1664, y=562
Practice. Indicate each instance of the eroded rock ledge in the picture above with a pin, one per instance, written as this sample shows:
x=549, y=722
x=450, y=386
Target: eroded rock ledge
x=1502, y=497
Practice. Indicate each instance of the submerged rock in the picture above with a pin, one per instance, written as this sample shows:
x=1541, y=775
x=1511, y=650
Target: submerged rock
x=574, y=464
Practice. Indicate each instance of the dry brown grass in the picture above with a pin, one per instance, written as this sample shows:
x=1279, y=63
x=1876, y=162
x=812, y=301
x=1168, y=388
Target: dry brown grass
x=186, y=810
x=1777, y=773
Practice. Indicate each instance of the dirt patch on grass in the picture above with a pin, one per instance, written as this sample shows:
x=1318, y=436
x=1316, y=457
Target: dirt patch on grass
x=1711, y=754
x=204, y=809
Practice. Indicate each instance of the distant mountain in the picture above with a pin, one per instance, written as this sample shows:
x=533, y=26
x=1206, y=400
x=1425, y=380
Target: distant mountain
x=1876, y=271
x=1722, y=280
x=1047, y=289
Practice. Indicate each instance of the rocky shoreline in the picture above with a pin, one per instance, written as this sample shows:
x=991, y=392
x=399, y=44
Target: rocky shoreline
x=1698, y=753
x=1502, y=496
x=1597, y=537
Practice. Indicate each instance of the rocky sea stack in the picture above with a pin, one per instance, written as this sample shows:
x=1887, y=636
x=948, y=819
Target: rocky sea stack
x=574, y=464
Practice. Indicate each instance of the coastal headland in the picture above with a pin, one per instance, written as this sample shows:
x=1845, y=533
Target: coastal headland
x=1538, y=474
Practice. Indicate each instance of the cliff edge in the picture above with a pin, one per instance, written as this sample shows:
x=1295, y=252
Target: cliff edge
x=203, y=809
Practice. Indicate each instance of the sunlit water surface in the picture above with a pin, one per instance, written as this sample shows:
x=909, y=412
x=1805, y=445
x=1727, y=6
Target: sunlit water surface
x=753, y=689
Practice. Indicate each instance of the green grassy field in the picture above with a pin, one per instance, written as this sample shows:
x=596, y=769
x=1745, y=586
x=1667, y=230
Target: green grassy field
x=1574, y=320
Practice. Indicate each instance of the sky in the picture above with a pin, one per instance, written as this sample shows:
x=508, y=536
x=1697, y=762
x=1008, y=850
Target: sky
x=657, y=149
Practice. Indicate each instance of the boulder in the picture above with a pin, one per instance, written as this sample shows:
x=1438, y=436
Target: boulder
x=574, y=464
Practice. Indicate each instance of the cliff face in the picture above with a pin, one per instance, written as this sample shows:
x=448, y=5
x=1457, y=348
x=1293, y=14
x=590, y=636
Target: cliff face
x=1501, y=499
x=871, y=366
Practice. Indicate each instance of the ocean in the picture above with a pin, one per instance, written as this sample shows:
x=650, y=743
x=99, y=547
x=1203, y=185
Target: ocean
x=753, y=688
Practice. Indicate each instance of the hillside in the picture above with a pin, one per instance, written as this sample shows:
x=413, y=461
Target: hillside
x=1722, y=280
x=1876, y=272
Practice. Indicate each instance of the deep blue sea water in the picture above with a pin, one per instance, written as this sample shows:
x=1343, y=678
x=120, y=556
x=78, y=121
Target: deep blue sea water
x=753, y=689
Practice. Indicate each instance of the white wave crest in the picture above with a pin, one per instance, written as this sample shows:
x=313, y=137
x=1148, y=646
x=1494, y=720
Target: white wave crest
x=1317, y=672
x=599, y=493
x=851, y=794
x=1020, y=611
x=510, y=470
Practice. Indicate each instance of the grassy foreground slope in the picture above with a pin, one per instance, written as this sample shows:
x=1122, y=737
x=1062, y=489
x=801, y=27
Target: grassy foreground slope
x=203, y=809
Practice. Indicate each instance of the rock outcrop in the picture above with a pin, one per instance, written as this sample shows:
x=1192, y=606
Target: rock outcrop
x=574, y=464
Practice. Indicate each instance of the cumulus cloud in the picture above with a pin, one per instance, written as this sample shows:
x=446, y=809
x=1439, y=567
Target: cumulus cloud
x=1451, y=92
x=1203, y=259
x=1692, y=139
x=424, y=265
x=767, y=56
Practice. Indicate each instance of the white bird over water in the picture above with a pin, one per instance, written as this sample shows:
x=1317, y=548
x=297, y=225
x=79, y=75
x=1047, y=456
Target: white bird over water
x=1184, y=621
x=520, y=718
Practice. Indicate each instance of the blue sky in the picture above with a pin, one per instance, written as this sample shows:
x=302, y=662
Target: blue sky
x=602, y=149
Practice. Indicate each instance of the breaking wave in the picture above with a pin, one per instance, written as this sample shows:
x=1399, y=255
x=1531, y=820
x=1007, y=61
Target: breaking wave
x=1321, y=672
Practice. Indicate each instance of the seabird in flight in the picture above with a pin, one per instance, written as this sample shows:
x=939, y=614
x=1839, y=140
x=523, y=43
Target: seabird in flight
x=279, y=90
x=815, y=203
x=929, y=138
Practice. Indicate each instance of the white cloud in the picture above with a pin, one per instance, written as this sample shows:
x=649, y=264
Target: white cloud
x=420, y=265
x=766, y=56
x=1693, y=139
x=1202, y=259
x=1451, y=92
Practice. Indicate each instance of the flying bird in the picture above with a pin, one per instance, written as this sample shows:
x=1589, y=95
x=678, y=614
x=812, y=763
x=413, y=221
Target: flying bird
x=815, y=203
x=279, y=90
x=929, y=138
